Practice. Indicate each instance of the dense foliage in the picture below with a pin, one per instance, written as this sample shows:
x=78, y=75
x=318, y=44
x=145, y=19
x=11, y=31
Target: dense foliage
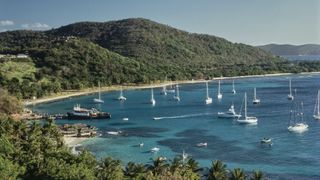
x=34, y=151
x=285, y=49
x=123, y=52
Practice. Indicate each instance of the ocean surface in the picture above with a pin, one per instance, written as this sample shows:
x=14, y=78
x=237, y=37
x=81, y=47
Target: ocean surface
x=181, y=125
x=302, y=57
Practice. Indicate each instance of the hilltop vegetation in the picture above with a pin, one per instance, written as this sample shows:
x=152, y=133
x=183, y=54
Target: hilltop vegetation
x=122, y=52
x=286, y=49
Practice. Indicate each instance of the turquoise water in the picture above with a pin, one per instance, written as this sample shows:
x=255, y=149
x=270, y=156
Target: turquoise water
x=190, y=121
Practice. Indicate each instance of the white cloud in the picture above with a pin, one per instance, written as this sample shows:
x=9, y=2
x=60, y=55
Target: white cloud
x=35, y=26
x=6, y=23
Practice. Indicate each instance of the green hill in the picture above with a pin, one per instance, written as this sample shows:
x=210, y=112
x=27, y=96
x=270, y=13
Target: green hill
x=126, y=51
x=286, y=49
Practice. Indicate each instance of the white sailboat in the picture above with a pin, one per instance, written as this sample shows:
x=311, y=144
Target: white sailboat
x=255, y=99
x=219, y=95
x=231, y=113
x=177, y=95
x=316, y=114
x=152, y=101
x=208, y=99
x=247, y=119
x=164, y=90
x=295, y=125
x=121, y=97
x=290, y=96
x=171, y=90
x=98, y=100
x=233, y=89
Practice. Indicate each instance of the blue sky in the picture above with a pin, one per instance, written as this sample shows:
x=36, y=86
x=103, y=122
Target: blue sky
x=253, y=22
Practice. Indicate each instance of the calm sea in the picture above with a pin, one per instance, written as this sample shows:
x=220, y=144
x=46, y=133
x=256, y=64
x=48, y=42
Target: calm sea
x=184, y=124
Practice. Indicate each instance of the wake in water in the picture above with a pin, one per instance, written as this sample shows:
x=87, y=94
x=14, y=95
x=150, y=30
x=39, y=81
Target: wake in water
x=182, y=116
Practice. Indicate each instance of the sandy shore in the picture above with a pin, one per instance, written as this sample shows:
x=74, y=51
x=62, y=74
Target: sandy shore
x=72, y=141
x=70, y=94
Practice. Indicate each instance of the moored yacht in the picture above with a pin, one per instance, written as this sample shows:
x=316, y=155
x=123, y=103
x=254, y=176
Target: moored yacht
x=247, y=119
x=208, y=98
x=255, y=99
x=121, y=97
x=316, y=114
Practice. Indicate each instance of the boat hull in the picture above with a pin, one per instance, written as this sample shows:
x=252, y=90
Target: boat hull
x=72, y=116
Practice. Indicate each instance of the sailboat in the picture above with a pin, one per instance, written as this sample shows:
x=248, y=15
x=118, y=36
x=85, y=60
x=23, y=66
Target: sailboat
x=208, y=99
x=152, y=101
x=164, y=90
x=316, y=114
x=121, y=97
x=255, y=99
x=177, y=96
x=247, y=119
x=219, y=95
x=294, y=125
x=290, y=96
x=98, y=100
x=233, y=89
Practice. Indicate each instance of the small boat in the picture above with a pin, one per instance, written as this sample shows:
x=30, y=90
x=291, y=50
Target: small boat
x=177, y=95
x=203, y=144
x=98, y=100
x=155, y=149
x=125, y=119
x=208, y=98
x=290, y=96
x=297, y=123
x=266, y=140
x=219, y=95
x=171, y=90
x=184, y=156
x=233, y=88
x=114, y=132
x=231, y=113
x=152, y=101
x=141, y=144
x=121, y=97
x=247, y=119
x=316, y=113
x=255, y=99
x=156, y=118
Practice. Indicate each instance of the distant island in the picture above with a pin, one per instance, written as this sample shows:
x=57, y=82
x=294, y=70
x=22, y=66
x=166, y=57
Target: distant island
x=130, y=51
x=286, y=49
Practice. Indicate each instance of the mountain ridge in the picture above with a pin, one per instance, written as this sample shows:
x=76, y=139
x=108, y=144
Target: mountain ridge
x=288, y=49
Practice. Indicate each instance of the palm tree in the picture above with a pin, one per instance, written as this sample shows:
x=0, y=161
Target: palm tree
x=193, y=165
x=238, y=174
x=133, y=170
x=217, y=171
x=110, y=169
x=257, y=175
x=160, y=166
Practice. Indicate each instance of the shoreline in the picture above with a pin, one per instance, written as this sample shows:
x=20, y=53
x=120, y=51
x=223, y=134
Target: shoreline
x=73, y=141
x=88, y=91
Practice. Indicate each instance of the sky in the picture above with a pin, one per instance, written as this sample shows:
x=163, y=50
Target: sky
x=253, y=22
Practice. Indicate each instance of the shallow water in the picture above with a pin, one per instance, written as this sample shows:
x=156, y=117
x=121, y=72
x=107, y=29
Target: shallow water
x=181, y=125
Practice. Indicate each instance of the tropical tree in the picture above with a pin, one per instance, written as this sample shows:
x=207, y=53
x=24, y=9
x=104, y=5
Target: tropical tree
x=217, y=171
x=238, y=174
x=110, y=169
x=134, y=170
x=257, y=175
x=159, y=166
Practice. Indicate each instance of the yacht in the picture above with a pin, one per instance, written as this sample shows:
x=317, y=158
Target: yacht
x=219, y=95
x=233, y=88
x=247, y=119
x=231, y=113
x=290, y=96
x=177, y=95
x=203, y=144
x=208, y=98
x=316, y=114
x=121, y=97
x=98, y=100
x=152, y=101
x=297, y=124
x=255, y=99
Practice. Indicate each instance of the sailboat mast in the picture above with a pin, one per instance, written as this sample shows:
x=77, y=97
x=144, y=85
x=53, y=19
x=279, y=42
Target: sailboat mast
x=245, y=105
x=207, y=89
x=152, y=93
x=255, y=93
x=177, y=90
x=290, y=87
x=233, y=85
x=219, y=87
x=121, y=92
